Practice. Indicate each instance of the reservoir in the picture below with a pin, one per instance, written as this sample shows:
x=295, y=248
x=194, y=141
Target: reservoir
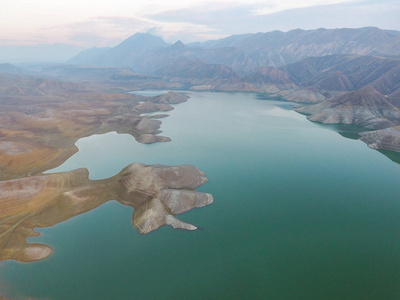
x=299, y=212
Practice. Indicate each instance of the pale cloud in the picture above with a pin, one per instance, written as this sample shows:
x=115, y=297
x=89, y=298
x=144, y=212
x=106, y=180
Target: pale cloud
x=105, y=23
x=242, y=18
x=109, y=31
x=274, y=6
x=355, y=14
x=100, y=31
x=186, y=31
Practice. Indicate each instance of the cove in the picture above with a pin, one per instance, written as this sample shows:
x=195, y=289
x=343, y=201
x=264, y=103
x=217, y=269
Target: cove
x=300, y=212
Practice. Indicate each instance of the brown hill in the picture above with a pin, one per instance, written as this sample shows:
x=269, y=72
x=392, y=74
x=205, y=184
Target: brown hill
x=366, y=107
x=347, y=73
x=267, y=75
x=386, y=139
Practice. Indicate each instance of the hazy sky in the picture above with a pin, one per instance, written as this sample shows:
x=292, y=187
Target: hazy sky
x=88, y=23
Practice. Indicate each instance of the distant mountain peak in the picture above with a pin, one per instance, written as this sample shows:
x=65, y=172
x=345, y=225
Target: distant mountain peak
x=246, y=53
x=179, y=44
x=129, y=51
x=141, y=39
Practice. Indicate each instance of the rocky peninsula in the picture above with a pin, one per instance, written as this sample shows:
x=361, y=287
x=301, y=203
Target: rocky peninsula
x=41, y=119
x=157, y=193
x=40, y=122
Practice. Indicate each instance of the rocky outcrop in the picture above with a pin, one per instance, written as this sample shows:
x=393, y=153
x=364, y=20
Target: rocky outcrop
x=157, y=194
x=146, y=138
x=384, y=139
x=365, y=107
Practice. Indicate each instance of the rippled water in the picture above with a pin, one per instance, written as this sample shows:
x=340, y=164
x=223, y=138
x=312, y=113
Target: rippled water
x=300, y=212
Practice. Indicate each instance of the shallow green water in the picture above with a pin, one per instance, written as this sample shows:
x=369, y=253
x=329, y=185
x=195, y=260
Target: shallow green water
x=300, y=212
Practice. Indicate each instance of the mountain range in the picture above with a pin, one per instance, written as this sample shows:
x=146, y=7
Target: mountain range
x=245, y=53
x=322, y=61
x=349, y=76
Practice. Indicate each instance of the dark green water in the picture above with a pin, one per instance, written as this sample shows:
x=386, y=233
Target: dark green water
x=300, y=212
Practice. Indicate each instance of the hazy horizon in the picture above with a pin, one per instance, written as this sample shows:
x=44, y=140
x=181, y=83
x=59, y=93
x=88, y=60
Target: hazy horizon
x=97, y=24
x=58, y=30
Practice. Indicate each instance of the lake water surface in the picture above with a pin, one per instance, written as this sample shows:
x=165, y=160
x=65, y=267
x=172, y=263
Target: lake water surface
x=300, y=212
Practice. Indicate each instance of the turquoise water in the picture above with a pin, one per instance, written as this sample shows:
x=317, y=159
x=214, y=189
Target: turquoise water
x=300, y=212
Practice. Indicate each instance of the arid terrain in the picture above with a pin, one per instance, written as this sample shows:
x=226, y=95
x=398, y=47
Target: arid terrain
x=341, y=76
x=40, y=121
x=345, y=75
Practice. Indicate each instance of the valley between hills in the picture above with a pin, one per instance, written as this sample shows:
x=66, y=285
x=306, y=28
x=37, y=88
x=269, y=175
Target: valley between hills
x=343, y=76
x=339, y=76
